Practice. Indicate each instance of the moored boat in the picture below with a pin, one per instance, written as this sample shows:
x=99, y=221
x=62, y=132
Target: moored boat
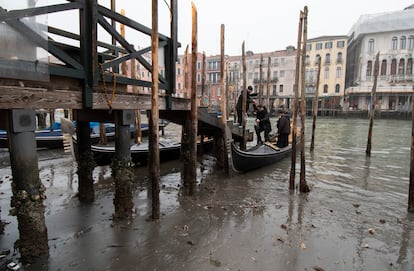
x=103, y=154
x=257, y=156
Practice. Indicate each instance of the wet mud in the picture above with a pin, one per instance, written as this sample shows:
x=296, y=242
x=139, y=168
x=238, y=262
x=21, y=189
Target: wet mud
x=354, y=218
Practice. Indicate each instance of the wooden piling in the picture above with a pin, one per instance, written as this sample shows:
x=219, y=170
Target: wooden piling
x=225, y=160
x=303, y=186
x=268, y=86
x=411, y=185
x=315, y=105
x=260, y=94
x=204, y=96
x=28, y=191
x=153, y=121
x=373, y=106
x=295, y=106
x=121, y=166
x=244, y=98
x=86, y=163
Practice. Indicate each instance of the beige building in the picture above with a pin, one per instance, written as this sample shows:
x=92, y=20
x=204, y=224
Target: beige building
x=331, y=51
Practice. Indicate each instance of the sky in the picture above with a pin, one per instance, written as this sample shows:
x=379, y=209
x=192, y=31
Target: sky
x=263, y=25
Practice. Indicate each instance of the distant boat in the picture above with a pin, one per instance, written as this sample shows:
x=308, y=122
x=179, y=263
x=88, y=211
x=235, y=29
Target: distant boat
x=103, y=154
x=258, y=156
x=54, y=139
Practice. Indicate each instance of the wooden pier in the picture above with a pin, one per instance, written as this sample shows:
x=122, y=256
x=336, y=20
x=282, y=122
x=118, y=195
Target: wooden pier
x=87, y=80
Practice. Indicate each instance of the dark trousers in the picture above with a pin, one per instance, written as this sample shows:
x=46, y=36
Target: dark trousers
x=258, y=130
x=283, y=140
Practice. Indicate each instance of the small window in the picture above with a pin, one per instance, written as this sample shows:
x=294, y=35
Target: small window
x=328, y=45
x=401, y=66
x=327, y=58
x=326, y=73
x=325, y=88
x=409, y=70
x=308, y=47
x=371, y=45
x=403, y=42
x=340, y=44
x=282, y=73
x=411, y=42
x=369, y=68
x=393, y=66
x=337, y=88
x=280, y=88
x=339, y=58
x=394, y=43
x=319, y=46
x=384, y=67
x=338, y=72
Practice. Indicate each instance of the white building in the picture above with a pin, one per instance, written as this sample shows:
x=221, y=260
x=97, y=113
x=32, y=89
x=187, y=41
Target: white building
x=392, y=35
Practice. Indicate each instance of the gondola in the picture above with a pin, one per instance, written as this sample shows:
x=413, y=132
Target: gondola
x=103, y=154
x=51, y=139
x=257, y=156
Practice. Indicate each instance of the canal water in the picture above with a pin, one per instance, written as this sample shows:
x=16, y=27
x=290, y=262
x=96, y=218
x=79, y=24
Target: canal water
x=354, y=218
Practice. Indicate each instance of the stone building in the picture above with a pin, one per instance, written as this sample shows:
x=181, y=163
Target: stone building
x=391, y=34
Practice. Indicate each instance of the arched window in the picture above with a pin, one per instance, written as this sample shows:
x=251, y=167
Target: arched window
x=403, y=42
x=411, y=42
x=393, y=66
x=337, y=88
x=394, y=43
x=326, y=73
x=338, y=72
x=401, y=66
x=327, y=58
x=325, y=88
x=384, y=67
x=307, y=60
x=369, y=68
x=317, y=58
x=371, y=45
x=339, y=58
x=409, y=70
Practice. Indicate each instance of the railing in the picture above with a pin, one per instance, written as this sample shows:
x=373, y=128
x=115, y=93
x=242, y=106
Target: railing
x=84, y=61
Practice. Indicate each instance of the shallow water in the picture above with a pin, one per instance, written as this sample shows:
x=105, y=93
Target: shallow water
x=354, y=218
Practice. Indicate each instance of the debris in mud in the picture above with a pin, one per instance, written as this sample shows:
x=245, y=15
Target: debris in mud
x=371, y=230
x=283, y=226
x=215, y=262
x=382, y=221
x=280, y=239
x=317, y=268
x=302, y=245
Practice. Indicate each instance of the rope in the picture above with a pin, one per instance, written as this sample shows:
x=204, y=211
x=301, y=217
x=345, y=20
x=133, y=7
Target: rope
x=108, y=101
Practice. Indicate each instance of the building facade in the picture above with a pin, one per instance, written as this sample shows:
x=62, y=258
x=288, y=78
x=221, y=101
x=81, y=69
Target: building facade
x=391, y=35
x=331, y=52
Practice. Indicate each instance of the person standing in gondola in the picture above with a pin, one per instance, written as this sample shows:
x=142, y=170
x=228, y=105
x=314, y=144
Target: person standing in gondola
x=239, y=104
x=283, y=130
x=262, y=124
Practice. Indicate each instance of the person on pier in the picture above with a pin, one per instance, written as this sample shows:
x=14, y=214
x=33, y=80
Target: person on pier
x=239, y=105
x=262, y=124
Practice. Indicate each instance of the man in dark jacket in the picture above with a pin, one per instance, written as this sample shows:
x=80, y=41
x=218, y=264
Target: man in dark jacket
x=262, y=124
x=283, y=129
x=239, y=104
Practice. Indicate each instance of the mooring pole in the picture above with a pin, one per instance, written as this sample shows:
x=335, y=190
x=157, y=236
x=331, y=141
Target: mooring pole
x=411, y=186
x=295, y=106
x=373, y=105
x=225, y=160
x=28, y=191
x=268, y=86
x=303, y=186
x=315, y=106
x=153, y=120
x=244, y=98
x=260, y=96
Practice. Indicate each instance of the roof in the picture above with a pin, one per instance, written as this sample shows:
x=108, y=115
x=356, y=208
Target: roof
x=383, y=22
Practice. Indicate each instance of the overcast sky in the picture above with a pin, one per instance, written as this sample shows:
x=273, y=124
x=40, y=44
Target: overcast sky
x=264, y=25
